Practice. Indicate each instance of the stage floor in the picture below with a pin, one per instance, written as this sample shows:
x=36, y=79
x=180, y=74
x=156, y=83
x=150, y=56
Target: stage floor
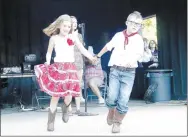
x=167, y=118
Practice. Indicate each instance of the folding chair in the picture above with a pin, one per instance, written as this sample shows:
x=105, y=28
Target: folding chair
x=103, y=88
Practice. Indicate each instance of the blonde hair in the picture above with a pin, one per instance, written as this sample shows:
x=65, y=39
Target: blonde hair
x=136, y=14
x=53, y=28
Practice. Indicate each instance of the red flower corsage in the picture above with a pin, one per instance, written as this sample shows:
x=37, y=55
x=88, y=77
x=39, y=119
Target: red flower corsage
x=70, y=42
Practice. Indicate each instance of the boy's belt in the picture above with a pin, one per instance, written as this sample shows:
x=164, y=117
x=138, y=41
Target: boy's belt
x=123, y=68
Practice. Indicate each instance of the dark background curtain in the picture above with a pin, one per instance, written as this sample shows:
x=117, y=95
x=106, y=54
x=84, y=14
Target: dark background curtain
x=172, y=39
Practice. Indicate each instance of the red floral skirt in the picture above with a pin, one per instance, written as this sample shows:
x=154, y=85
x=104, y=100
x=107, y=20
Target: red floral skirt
x=58, y=79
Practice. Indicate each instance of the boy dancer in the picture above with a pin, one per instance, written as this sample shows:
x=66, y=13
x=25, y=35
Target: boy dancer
x=128, y=49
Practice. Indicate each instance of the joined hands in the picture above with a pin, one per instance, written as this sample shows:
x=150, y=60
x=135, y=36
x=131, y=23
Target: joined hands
x=94, y=59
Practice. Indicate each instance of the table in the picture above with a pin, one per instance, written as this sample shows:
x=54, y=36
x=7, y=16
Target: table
x=19, y=75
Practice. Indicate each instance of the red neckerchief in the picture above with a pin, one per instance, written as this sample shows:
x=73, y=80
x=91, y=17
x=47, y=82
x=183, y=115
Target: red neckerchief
x=127, y=36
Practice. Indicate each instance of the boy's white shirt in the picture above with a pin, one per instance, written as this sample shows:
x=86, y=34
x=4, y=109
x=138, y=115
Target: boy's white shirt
x=132, y=53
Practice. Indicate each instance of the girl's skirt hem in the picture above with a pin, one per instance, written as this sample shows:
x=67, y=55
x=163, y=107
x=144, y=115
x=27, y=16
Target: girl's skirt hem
x=58, y=79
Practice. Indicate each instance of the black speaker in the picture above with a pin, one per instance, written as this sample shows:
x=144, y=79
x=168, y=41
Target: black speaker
x=27, y=67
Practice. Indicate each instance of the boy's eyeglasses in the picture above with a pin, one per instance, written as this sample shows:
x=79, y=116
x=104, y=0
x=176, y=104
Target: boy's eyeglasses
x=135, y=23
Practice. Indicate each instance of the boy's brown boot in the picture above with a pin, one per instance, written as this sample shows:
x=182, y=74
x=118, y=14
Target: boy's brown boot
x=117, y=121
